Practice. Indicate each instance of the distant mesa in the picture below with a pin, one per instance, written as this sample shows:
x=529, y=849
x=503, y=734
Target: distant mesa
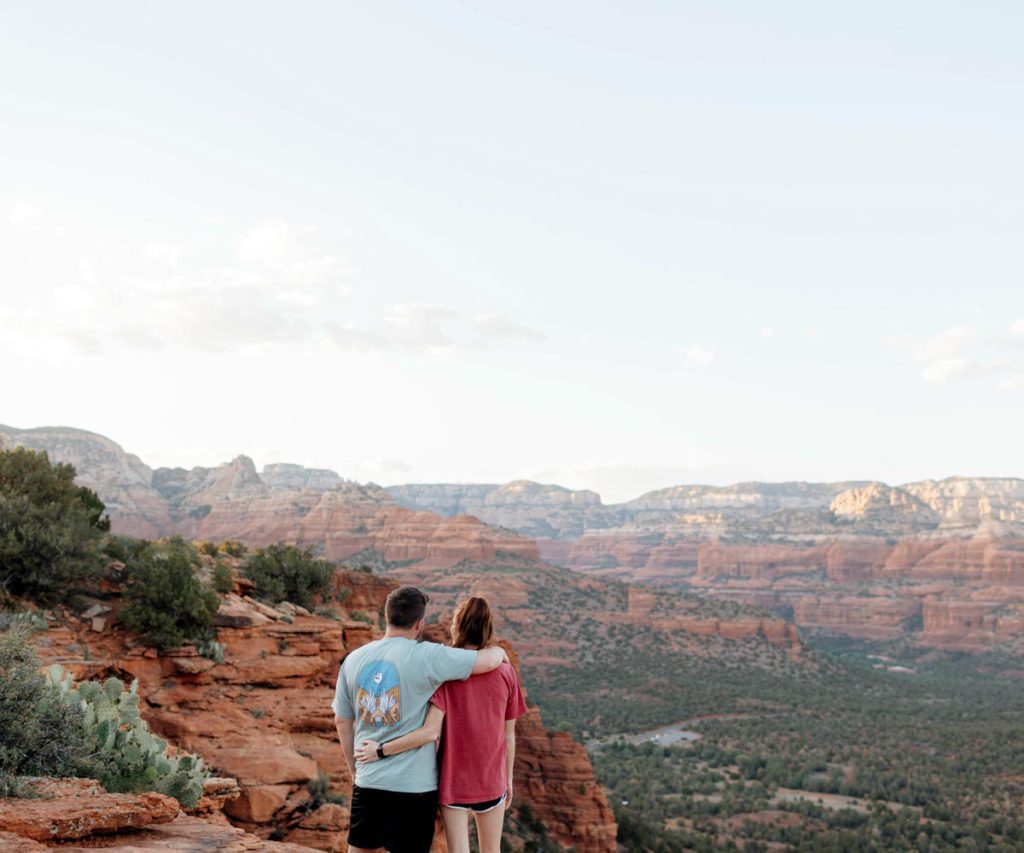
x=884, y=505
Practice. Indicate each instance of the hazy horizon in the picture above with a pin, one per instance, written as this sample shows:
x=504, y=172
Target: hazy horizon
x=261, y=465
x=605, y=247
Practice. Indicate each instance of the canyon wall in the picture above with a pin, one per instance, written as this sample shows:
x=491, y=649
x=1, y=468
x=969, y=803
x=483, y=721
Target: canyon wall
x=941, y=562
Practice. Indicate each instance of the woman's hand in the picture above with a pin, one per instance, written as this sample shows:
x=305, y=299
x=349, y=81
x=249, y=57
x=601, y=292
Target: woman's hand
x=508, y=795
x=366, y=751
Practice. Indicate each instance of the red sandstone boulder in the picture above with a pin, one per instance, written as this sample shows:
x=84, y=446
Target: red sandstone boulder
x=80, y=815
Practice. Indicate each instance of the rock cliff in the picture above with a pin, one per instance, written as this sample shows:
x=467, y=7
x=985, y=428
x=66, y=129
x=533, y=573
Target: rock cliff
x=262, y=716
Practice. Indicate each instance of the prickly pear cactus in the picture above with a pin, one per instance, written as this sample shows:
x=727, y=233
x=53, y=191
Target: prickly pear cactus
x=125, y=755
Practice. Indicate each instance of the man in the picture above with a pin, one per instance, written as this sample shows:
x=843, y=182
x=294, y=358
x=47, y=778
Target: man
x=383, y=692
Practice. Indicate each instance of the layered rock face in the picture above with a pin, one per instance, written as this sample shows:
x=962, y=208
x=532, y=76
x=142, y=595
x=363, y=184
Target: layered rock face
x=311, y=507
x=939, y=561
x=121, y=479
x=951, y=594
x=263, y=716
x=531, y=508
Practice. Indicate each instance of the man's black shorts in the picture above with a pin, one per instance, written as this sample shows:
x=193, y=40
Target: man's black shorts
x=399, y=822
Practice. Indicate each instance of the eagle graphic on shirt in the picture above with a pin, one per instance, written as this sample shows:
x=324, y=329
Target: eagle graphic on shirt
x=379, y=695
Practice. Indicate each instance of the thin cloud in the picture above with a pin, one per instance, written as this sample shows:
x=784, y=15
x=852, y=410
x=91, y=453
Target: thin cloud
x=276, y=284
x=499, y=327
x=697, y=355
x=963, y=353
x=22, y=213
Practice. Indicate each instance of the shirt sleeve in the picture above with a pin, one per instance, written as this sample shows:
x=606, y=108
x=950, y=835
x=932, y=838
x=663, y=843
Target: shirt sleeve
x=516, y=705
x=440, y=698
x=342, y=703
x=444, y=663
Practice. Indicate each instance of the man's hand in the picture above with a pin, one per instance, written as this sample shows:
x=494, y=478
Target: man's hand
x=366, y=752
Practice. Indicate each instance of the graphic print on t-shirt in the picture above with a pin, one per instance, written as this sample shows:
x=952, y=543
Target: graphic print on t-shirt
x=379, y=695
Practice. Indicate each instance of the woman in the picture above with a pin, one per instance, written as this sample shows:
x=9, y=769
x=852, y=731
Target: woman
x=478, y=748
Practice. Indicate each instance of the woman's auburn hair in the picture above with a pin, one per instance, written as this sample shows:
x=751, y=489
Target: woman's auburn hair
x=473, y=624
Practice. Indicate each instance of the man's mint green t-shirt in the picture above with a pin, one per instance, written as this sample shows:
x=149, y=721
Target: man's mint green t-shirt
x=385, y=686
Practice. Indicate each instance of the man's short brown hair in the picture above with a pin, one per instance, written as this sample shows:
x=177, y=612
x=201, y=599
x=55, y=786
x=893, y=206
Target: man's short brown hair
x=405, y=606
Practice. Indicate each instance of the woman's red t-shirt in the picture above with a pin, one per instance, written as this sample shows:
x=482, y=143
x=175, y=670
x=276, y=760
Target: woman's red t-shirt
x=473, y=755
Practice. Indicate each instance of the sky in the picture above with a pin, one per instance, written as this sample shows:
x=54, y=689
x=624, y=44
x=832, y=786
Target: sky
x=615, y=246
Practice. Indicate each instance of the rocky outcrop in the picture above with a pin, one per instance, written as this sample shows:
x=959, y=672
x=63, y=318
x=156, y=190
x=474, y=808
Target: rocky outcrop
x=282, y=475
x=61, y=812
x=884, y=509
x=70, y=809
x=869, y=617
x=967, y=502
x=262, y=715
x=555, y=777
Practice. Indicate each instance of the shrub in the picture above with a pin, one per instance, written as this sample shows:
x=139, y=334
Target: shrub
x=288, y=573
x=49, y=528
x=208, y=548
x=167, y=602
x=40, y=735
x=233, y=548
x=320, y=793
x=25, y=621
x=123, y=548
x=211, y=649
x=124, y=755
x=223, y=579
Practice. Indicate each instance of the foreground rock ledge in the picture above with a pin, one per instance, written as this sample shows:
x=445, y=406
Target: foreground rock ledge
x=60, y=812
x=81, y=815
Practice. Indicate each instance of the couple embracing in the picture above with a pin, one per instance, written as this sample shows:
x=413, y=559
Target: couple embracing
x=397, y=699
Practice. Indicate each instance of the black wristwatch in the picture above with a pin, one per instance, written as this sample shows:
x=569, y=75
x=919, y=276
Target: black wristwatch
x=380, y=751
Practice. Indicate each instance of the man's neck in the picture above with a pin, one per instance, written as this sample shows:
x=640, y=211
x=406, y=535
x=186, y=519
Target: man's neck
x=406, y=633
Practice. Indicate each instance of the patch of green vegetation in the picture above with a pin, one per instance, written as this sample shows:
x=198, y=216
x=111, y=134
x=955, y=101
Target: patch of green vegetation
x=288, y=573
x=933, y=761
x=167, y=602
x=50, y=529
x=39, y=734
x=48, y=727
x=223, y=579
x=122, y=752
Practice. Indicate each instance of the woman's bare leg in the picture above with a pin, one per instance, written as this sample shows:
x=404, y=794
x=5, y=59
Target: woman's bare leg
x=456, y=829
x=488, y=829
